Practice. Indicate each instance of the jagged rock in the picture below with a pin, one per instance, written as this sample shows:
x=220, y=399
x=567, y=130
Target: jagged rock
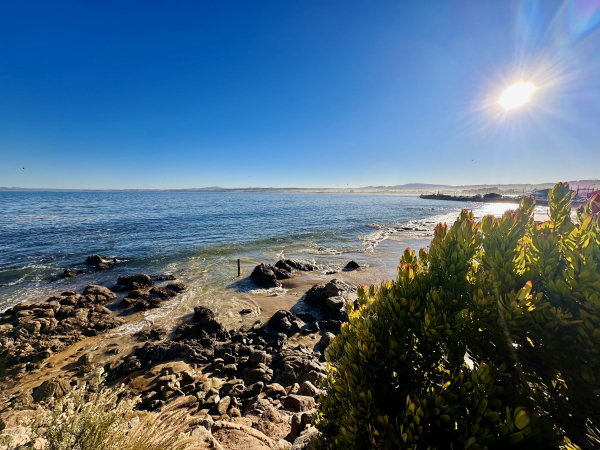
x=284, y=266
x=201, y=313
x=352, y=265
x=94, y=260
x=300, y=265
x=285, y=322
x=318, y=294
x=264, y=276
x=68, y=273
x=299, y=403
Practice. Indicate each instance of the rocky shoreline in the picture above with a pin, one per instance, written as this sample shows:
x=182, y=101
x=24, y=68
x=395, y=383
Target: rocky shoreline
x=254, y=387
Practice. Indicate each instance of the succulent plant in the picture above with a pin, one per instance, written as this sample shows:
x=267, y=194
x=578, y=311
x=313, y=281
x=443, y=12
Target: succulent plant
x=491, y=339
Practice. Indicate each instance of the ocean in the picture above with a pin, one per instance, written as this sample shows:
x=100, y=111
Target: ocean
x=198, y=236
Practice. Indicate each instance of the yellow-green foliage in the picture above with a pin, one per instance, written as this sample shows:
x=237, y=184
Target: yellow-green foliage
x=97, y=418
x=489, y=340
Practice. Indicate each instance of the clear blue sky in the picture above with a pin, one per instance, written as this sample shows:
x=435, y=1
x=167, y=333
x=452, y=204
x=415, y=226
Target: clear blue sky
x=156, y=94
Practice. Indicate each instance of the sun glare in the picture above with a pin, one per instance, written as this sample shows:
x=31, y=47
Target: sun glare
x=516, y=95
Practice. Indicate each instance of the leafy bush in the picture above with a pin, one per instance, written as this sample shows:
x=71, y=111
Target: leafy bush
x=489, y=340
x=93, y=417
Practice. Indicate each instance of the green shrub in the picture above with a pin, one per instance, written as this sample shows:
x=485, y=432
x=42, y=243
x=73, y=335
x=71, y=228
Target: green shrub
x=94, y=417
x=489, y=340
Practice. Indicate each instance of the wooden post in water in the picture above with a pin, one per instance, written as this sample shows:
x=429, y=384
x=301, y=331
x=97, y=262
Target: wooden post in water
x=238, y=267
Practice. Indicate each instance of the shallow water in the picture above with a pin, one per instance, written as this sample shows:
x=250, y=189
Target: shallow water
x=199, y=237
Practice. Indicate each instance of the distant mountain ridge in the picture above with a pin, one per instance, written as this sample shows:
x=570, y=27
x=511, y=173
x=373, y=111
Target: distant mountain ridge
x=409, y=188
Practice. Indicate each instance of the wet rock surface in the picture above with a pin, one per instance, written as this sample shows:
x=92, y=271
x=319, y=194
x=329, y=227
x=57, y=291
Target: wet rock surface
x=31, y=332
x=269, y=275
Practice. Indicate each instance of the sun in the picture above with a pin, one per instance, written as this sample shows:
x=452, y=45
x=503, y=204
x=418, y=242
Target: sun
x=516, y=95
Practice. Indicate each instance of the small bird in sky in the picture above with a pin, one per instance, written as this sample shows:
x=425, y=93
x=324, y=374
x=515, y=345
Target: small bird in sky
x=23, y=168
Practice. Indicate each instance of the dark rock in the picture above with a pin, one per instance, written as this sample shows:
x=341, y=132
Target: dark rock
x=281, y=274
x=305, y=317
x=300, y=265
x=105, y=266
x=285, y=322
x=264, y=276
x=139, y=294
x=336, y=304
x=177, y=287
x=352, y=265
x=163, y=292
x=139, y=278
x=120, y=288
x=284, y=266
x=94, y=260
x=326, y=340
x=164, y=277
x=81, y=271
x=202, y=312
x=246, y=311
x=330, y=324
x=318, y=294
x=68, y=273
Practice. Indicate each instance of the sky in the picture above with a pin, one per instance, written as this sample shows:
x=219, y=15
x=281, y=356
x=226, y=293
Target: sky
x=169, y=95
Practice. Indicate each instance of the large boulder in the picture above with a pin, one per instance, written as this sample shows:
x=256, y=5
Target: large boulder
x=264, y=276
x=319, y=293
x=299, y=403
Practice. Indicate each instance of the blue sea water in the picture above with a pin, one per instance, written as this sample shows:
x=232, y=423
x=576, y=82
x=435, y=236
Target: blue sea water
x=43, y=233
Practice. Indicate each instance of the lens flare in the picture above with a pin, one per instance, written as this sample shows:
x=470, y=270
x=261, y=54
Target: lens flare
x=516, y=95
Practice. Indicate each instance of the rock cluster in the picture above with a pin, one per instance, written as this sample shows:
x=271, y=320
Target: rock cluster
x=269, y=275
x=260, y=388
x=31, y=332
x=141, y=297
